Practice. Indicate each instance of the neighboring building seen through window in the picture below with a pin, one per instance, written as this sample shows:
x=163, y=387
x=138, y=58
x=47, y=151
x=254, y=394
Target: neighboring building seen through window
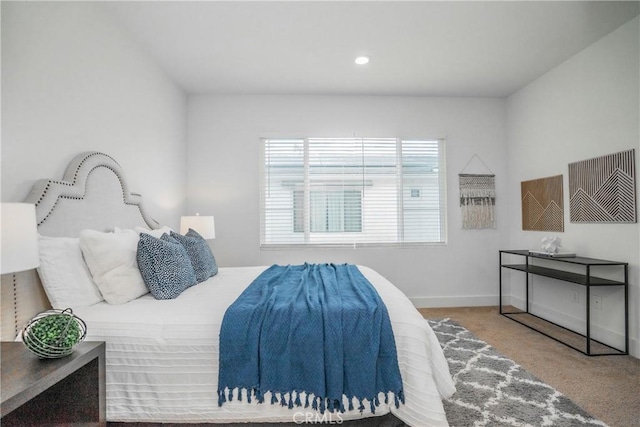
x=352, y=191
x=330, y=211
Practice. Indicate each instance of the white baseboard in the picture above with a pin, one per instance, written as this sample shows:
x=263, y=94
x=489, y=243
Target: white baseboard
x=634, y=348
x=466, y=301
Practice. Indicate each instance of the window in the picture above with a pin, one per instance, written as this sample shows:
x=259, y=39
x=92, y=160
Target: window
x=330, y=211
x=352, y=191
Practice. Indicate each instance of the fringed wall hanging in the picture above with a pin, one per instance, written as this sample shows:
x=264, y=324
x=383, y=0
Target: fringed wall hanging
x=542, y=204
x=477, y=198
x=603, y=189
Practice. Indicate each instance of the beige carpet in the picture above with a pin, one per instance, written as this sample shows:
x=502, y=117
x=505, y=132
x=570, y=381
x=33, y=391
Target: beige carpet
x=608, y=387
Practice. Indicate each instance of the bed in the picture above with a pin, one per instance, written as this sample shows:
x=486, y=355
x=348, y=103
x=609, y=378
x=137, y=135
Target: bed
x=162, y=355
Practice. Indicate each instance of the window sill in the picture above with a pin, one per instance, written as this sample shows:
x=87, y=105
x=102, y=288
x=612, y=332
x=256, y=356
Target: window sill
x=286, y=247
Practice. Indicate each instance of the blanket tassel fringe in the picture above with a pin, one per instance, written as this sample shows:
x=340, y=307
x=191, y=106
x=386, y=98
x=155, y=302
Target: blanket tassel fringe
x=317, y=403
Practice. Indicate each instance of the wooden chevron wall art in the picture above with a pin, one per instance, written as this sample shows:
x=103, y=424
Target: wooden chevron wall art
x=542, y=204
x=603, y=189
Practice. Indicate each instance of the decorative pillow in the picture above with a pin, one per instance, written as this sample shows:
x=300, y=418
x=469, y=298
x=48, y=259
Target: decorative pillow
x=111, y=258
x=200, y=254
x=165, y=266
x=64, y=274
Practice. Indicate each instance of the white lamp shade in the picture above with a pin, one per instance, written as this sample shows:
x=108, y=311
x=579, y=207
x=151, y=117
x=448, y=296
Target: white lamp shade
x=204, y=225
x=19, y=237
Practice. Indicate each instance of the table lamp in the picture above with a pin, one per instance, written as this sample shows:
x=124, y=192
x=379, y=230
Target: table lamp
x=203, y=225
x=19, y=238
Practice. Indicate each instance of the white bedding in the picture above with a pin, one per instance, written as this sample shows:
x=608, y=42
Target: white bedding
x=162, y=357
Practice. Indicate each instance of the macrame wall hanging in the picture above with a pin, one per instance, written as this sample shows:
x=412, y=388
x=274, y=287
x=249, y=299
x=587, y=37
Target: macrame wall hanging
x=477, y=197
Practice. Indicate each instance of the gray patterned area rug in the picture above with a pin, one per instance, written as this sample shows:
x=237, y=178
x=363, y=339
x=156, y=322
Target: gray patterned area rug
x=492, y=390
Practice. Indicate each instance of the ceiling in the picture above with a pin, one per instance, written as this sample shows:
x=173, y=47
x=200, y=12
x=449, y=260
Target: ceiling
x=419, y=48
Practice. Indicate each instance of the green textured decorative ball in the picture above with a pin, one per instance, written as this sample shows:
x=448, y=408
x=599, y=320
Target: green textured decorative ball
x=53, y=333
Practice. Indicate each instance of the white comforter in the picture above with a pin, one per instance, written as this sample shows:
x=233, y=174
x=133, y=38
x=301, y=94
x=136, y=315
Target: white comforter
x=162, y=358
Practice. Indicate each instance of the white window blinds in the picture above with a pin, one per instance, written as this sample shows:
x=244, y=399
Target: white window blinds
x=352, y=191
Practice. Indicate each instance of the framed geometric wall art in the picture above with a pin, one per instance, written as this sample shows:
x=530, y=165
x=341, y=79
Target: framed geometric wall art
x=542, y=204
x=603, y=189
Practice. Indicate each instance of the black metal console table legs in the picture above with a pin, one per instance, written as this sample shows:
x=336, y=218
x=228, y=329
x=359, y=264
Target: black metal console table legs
x=565, y=335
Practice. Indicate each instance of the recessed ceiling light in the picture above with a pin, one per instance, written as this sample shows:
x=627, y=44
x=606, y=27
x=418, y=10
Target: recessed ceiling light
x=362, y=60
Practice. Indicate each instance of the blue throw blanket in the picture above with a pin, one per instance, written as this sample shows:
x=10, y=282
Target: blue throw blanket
x=317, y=329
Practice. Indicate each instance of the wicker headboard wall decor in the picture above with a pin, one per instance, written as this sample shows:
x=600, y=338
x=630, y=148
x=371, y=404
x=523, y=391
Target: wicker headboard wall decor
x=93, y=194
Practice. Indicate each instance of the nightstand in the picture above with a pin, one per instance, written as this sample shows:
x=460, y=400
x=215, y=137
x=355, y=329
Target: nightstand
x=65, y=391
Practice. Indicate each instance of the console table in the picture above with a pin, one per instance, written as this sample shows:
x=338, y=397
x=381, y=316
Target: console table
x=555, y=268
x=69, y=391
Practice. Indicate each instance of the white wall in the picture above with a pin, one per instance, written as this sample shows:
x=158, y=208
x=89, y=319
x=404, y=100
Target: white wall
x=223, y=180
x=586, y=107
x=73, y=81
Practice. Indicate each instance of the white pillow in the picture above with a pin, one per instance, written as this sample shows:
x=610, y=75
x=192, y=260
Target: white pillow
x=157, y=233
x=64, y=274
x=111, y=258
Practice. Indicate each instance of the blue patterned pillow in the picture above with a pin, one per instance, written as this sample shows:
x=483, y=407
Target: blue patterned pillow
x=164, y=266
x=200, y=254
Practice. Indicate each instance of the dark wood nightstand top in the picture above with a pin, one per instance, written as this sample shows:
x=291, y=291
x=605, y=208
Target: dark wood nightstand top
x=25, y=376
